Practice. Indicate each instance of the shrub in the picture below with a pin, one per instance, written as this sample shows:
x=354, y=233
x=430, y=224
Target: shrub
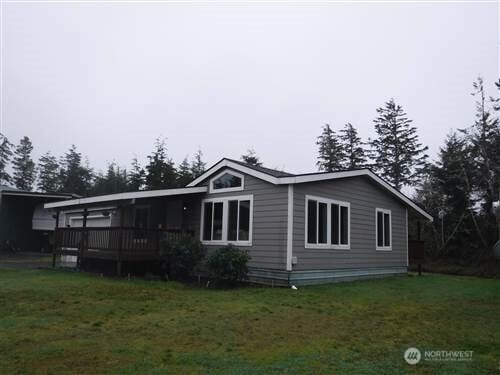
x=180, y=257
x=228, y=263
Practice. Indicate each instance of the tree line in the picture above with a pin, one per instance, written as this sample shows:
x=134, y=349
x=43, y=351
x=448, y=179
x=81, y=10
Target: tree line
x=458, y=188
x=71, y=173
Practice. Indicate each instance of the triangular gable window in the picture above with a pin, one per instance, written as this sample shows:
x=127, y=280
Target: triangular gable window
x=226, y=181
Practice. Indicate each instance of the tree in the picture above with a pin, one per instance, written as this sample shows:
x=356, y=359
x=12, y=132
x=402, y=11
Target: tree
x=5, y=154
x=251, y=158
x=136, y=176
x=197, y=165
x=399, y=156
x=48, y=174
x=23, y=165
x=161, y=172
x=484, y=136
x=184, y=175
x=330, y=153
x=74, y=176
x=353, y=152
x=114, y=181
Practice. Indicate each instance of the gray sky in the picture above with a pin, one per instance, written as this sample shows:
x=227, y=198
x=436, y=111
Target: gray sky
x=113, y=77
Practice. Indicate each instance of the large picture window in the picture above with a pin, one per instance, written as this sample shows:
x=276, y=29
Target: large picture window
x=383, y=229
x=327, y=223
x=227, y=220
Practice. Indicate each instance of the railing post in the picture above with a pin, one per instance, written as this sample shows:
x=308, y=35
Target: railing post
x=120, y=244
x=83, y=244
x=56, y=237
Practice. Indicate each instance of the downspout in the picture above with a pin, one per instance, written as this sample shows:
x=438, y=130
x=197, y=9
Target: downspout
x=289, y=237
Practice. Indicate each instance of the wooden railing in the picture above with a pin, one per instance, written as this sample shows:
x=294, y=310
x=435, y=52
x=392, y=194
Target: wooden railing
x=114, y=242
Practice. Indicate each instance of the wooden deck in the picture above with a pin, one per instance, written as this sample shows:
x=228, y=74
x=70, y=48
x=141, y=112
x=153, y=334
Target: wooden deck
x=113, y=243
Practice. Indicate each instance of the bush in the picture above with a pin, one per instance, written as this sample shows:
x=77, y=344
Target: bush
x=180, y=257
x=228, y=263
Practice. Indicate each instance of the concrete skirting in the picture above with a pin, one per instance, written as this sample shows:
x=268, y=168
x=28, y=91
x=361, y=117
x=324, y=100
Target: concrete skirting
x=286, y=278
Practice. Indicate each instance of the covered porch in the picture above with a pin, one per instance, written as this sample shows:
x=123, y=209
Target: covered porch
x=125, y=227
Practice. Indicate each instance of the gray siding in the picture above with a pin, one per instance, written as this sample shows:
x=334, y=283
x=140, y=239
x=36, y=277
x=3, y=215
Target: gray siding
x=364, y=196
x=270, y=205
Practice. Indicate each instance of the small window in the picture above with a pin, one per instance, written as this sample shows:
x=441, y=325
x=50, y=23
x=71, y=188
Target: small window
x=212, y=221
x=226, y=181
x=327, y=223
x=383, y=229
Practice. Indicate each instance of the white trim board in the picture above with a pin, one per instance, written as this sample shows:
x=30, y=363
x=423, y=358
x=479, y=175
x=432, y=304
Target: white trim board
x=131, y=195
x=299, y=179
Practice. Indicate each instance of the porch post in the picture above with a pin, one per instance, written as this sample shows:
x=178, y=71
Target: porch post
x=83, y=242
x=56, y=235
x=120, y=243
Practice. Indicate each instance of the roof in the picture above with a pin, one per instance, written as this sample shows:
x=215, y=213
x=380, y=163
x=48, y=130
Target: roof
x=269, y=171
x=125, y=196
x=290, y=179
x=7, y=190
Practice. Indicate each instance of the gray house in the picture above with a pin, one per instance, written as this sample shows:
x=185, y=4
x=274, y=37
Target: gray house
x=298, y=229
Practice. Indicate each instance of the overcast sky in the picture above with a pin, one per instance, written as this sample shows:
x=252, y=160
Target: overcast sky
x=110, y=78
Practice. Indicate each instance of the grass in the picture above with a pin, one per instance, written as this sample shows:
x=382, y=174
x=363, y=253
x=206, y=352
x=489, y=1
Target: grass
x=58, y=322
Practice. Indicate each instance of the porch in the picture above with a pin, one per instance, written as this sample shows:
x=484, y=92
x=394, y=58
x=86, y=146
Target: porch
x=124, y=228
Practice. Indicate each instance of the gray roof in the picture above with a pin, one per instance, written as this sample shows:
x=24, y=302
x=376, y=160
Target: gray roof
x=269, y=171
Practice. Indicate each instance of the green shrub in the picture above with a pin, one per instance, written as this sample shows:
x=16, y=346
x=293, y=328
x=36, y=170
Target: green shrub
x=228, y=263
x=180, y=257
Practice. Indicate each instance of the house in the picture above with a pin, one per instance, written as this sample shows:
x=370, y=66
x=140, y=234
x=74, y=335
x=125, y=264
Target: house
x=24, y=224
x=297, y=228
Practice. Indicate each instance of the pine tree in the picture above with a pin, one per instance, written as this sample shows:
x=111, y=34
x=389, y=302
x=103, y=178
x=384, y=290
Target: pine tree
x=48, y=173
x=136, y=176
x=353, y=152
x=23, y=165
x=197, y=165
x=184, y=175
x=399, y=156
x=114, y=181
x=251, y=158
x=5, y=155
x=161, y=173
x=484, y=137
x=74, y=176
x=331, y=153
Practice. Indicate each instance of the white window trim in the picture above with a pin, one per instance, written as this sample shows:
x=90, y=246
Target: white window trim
x=328, y=244
x=384, y=211
x=226, y=190
x=225, y=214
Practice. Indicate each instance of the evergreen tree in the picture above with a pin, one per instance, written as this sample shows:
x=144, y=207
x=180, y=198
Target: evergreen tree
x=48, y=173
x=251, y=158
x=184, y=175
x=484, y=137
x=74, y=176
x=399, y=156
x=5, y=154
x=330, y=153
x=353, y=152
x=114, y=181
x=136, y=176
x=23, y=165
x=197, y=165
x=161, y=173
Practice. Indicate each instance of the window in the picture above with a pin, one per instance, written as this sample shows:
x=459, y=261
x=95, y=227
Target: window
x=383, y=229
x=327, y=223
x=227, y=220
x=226, y=181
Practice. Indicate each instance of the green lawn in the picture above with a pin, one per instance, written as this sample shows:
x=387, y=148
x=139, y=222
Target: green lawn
x=57, y=322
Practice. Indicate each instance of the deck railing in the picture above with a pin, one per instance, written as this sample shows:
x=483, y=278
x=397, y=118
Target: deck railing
x=114, y=242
